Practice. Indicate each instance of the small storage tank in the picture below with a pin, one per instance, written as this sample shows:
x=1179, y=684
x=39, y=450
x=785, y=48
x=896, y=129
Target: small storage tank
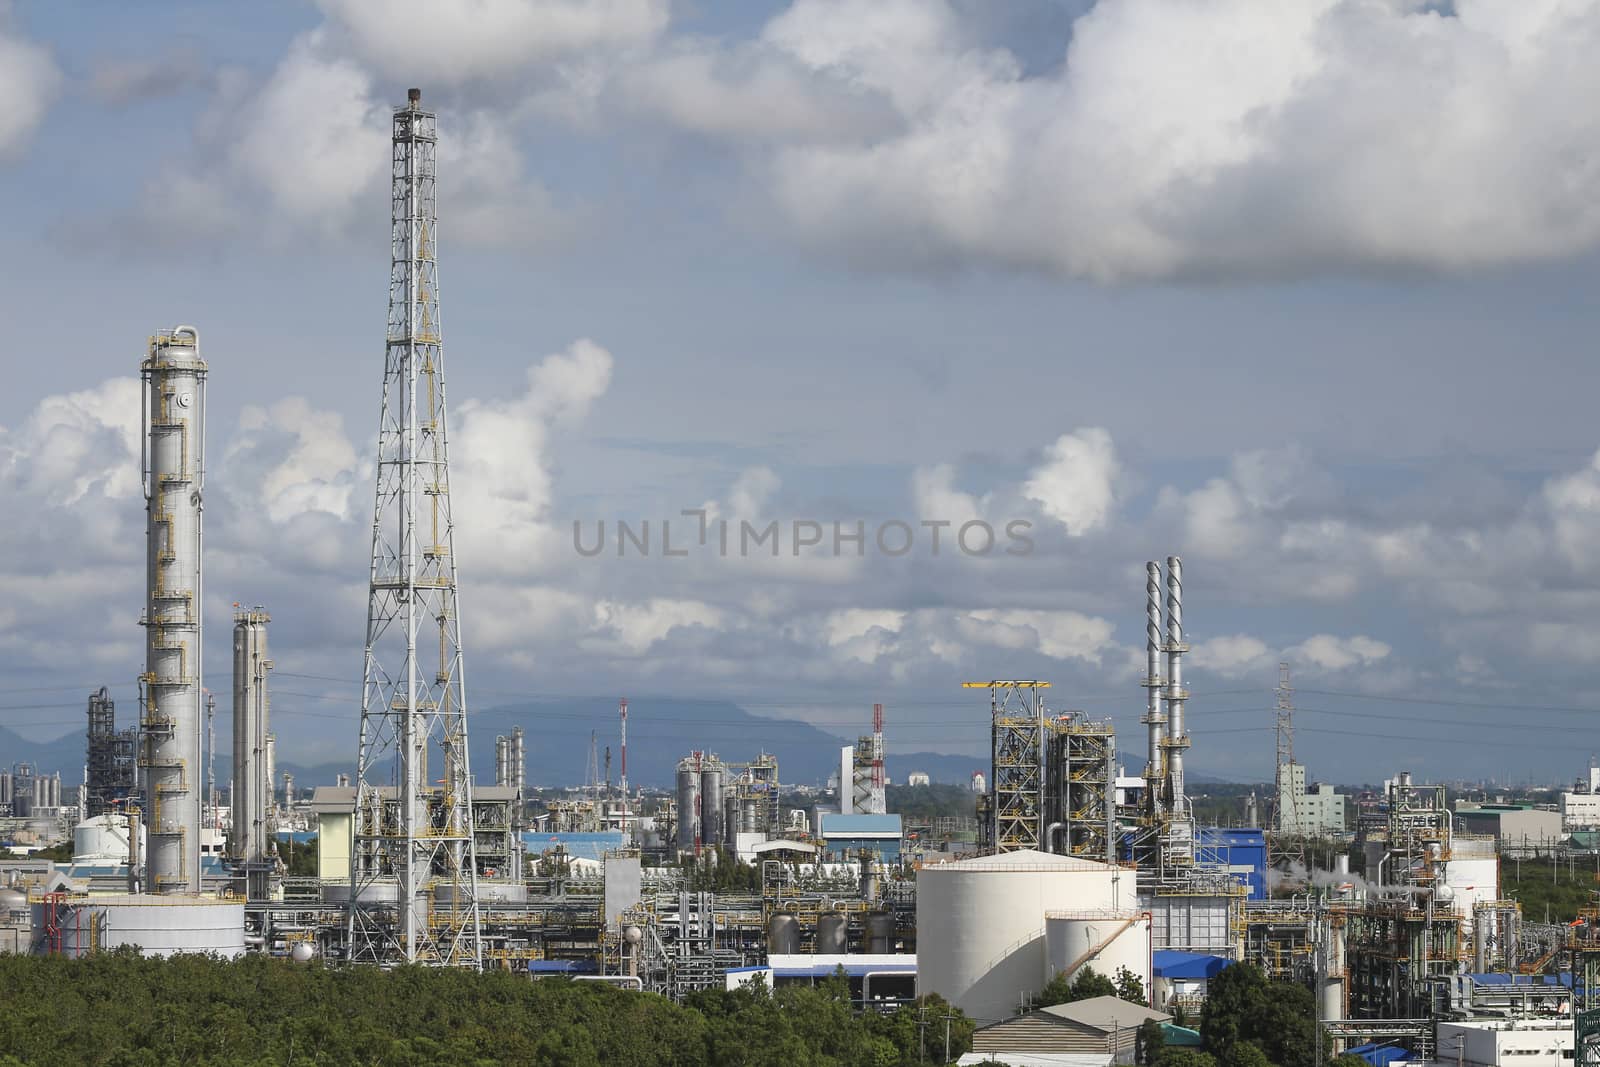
x=157, y=925
x=749, y=821
x=688, y=806
x=103, y=838
x=783, y=934
x=832, y=934
x=1106, y=941
x=879, y=933
x=711, y=805
x=13, y=907
x=303, y=952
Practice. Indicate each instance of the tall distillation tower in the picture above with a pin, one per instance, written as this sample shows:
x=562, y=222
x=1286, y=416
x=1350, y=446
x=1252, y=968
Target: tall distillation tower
x=173, y=464
x=413, y=878
x=254, y=844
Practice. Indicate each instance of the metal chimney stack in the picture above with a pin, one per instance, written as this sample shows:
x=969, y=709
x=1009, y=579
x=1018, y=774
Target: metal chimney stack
x=1155, y=765
x=1177, y=736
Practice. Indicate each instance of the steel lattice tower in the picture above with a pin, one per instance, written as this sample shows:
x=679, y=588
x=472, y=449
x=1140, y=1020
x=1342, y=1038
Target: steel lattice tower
x=1286, y=847
x=413, y=874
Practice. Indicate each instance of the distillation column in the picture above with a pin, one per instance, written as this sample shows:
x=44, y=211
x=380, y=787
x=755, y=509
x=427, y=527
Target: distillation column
x=173, y=463
x=252, y=841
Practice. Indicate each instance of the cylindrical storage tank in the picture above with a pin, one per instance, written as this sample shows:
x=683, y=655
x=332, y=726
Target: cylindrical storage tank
x=104, y=837
x=711, y=805
x=13, y=907
x=1333, y=998
x=832, y=934
x=879, y=937
x=21, y=804
x=1105, y=941
x=783, y=934
x=156, y=925
x=730, y=818
x=688, y=807
x=981, y=922
x=748, y=819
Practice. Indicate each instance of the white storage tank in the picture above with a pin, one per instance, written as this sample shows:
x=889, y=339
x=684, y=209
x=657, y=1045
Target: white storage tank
x=102, y=839
x=981, y=923
x=158, y=925
x=1106, y=941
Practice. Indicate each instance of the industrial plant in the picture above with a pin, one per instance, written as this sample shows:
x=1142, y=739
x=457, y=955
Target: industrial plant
x=1066, y=864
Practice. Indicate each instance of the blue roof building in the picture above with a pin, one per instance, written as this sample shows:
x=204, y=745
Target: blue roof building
x=850, y=833
x=1243, y=852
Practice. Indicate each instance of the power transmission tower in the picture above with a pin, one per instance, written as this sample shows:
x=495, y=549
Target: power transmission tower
x=1287, y=848
x=413, y=877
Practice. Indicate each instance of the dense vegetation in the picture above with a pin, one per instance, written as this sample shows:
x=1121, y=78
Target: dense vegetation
x=930, y=801
x=1088, y=983
x=1551, y=890
x=118, y=1010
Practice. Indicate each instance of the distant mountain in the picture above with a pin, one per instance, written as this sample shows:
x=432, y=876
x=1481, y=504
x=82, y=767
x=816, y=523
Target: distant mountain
x=556, y=741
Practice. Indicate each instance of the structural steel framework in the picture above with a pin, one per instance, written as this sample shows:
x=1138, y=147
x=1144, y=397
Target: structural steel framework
x=413, y=891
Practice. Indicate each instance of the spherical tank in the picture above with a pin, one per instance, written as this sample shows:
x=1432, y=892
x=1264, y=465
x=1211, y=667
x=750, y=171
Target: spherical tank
x=303, y=952
x=1105, y=941
x=783, y=934
x=981, y=922
x=832, y=937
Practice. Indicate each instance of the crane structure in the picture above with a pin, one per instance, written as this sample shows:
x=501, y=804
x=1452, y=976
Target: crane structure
x=413, y=877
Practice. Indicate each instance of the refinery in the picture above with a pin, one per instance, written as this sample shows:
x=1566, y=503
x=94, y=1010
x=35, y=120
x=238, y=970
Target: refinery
x=1398, y=908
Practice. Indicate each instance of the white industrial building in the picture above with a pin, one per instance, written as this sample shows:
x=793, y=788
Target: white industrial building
x=1491, y=1042
x=994, y=929
x=1307, y=813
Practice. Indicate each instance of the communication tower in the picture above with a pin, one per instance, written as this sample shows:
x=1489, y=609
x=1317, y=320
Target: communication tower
x=413, y=880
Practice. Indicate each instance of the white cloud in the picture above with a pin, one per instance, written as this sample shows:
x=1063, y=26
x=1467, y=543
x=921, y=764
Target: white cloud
x=635, y=627
x=456, y=41
x=29, y=81
x=1076, y=484
x=1057, y=634
x=317, y=471
x=76, y=444
x=1217, y=139
x=502, y=463
x=1232, y=656
x=1330, y=653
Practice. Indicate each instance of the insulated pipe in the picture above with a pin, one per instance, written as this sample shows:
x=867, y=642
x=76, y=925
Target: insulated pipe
x=1050, y=835
x=1175, y=694
x=1153, y=717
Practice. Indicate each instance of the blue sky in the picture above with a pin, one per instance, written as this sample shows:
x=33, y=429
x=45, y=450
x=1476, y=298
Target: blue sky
x=1304, y=296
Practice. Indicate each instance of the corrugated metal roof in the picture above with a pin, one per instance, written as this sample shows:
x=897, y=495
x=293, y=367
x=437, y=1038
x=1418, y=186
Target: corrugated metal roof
x=1106, y=1013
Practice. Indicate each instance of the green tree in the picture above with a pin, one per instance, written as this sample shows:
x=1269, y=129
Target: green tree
x=1085, y=984
x=1150, y=1043
x=1130, y=987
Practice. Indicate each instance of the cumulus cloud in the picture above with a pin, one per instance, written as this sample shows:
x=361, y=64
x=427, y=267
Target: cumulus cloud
x=1330, y=653
x=1076, y=484
x=502, y=463
x=297, y=457
x=1222, y=139
x=1060, y=635
x=635, y=627
x=1233, y=656
x=29, y=82
x=455, y=41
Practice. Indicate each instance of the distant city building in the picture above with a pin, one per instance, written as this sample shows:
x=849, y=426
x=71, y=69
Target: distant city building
x=1511, y=824
x=1580, y=806
x=918, y=778
x=1303, y=813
